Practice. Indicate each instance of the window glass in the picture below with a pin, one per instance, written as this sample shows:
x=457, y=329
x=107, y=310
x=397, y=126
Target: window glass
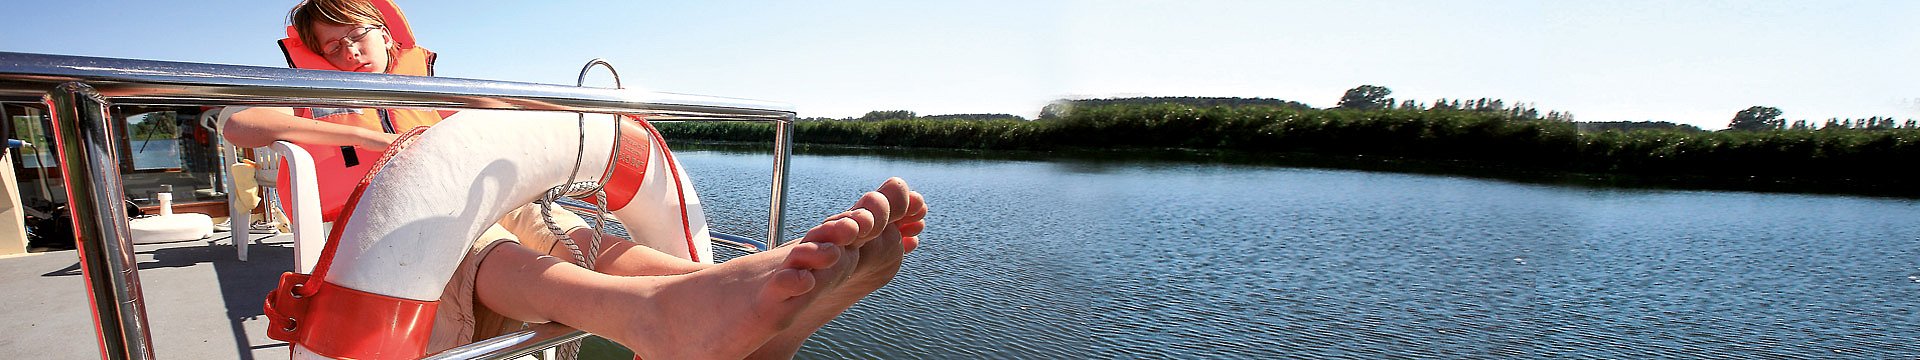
x=27, y=126
x=167, y=149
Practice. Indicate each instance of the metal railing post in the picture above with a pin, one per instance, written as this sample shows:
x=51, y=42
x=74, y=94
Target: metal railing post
x=782, y=149
x=82, y=129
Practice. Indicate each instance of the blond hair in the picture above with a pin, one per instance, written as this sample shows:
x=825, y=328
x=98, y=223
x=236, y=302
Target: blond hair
x=310, y=13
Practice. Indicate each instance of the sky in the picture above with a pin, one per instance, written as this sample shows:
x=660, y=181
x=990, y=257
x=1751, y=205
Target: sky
x=1690, y=62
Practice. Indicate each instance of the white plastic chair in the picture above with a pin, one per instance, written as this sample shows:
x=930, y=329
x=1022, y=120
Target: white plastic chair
x=301, y=193
x=239, y=218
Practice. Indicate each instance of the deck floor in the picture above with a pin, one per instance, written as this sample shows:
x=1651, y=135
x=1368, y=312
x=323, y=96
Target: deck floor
x=202, y=301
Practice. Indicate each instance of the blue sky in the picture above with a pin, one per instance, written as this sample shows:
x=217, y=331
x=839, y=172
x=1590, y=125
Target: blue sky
x=1693, y=62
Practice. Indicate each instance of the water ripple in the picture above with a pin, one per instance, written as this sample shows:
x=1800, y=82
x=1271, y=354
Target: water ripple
x=1089, y=259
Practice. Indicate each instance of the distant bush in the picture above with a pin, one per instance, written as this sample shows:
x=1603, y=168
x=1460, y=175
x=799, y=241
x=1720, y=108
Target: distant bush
x=1487, y=138
x=1062, y=107
x=975, y=117
x=1598, y=126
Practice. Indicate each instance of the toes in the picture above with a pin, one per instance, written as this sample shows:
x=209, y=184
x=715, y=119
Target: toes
x=864, y=220
x=809, y=256
x=912, y=228
x=838, y=232
x=896, y=193
x=877, y=204
x=916, y=208
x=787, y=283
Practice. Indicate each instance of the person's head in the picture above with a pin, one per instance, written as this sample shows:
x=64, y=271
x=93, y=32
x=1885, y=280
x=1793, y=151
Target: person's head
x=350, y=34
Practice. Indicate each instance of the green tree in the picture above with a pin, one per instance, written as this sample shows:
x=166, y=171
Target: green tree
x=1757, y=118
x=888, y=115
x=1365, y=97
x=153, y=125
x=1057, y=109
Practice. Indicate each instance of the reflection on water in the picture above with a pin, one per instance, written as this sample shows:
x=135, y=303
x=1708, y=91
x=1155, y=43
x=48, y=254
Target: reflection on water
x=1037, y=258
x=147, y=154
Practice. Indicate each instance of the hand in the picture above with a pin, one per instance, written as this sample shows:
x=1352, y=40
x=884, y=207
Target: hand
x=376, y=140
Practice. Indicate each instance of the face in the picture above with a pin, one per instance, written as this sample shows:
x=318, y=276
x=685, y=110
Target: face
x=357, y=48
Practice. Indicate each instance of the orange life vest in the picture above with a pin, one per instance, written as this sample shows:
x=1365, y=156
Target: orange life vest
x=340, y=168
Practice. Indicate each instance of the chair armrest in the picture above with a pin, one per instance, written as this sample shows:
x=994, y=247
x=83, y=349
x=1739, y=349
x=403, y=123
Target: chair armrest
x=301, y=192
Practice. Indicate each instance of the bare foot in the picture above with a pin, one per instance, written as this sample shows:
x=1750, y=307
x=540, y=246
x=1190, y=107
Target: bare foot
x=892, y=203
x=885, y=226
x=727, y=310
x=878, y=259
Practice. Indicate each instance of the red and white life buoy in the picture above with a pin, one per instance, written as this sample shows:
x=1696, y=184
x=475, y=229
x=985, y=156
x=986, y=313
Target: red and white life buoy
x=406, y=228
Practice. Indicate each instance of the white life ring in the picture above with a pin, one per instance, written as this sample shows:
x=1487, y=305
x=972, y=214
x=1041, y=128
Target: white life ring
x=400, y=239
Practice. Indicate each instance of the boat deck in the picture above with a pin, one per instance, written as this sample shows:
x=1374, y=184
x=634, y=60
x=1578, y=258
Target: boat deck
x=202, y=301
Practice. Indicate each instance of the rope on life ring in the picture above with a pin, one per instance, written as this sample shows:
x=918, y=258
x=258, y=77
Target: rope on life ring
x=579, y=190
x=412, y=219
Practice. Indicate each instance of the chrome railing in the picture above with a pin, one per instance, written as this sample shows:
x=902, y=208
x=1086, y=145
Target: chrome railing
x=81, y=92
x=512, y=345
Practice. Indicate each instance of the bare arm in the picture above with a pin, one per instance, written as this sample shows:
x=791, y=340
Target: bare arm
x=256, y=127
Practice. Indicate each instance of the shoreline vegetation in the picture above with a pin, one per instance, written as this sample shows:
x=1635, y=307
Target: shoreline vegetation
x=1477, y=138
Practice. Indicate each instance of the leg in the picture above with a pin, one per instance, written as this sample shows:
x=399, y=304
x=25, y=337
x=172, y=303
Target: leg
x=877, y=254
x=736, y=306
x=866, y=257
x=893, y=202
x=617, y=256
x=620, y=257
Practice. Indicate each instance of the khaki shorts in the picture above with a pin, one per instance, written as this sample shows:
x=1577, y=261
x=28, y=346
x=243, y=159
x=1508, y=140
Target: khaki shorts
x=461, y=320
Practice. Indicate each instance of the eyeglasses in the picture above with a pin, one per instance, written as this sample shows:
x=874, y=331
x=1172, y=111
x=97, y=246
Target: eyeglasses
x=334, y=47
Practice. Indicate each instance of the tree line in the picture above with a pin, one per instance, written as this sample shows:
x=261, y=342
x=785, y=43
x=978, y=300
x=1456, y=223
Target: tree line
x=1061, y=107
x=884, y=115
x=1487, y=135
x=1765, y=118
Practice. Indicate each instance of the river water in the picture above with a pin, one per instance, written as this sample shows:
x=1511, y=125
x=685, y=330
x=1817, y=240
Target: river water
x=1077, y=258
